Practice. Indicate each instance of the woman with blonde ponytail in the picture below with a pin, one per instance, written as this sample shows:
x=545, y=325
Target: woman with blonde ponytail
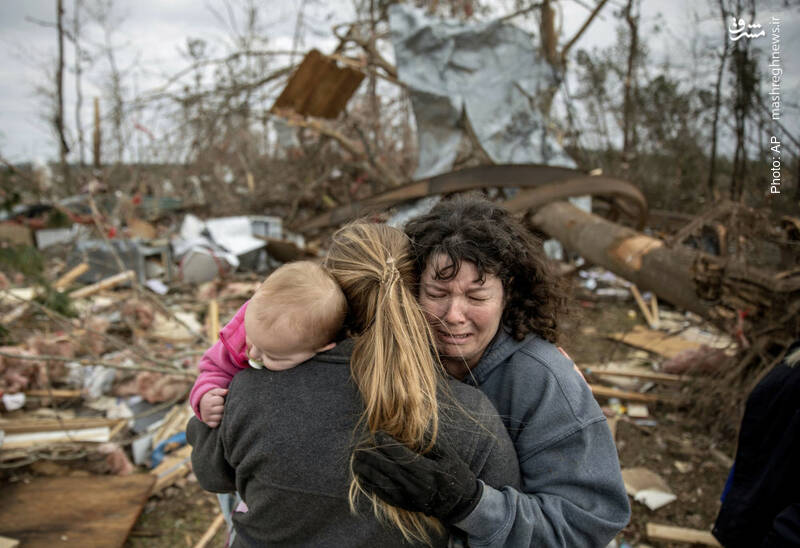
x=287, y=439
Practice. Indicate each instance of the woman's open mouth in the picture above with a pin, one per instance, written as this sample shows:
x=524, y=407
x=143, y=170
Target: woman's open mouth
x=453, y=338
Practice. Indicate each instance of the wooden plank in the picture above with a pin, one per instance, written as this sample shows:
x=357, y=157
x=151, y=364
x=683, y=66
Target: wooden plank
x=95, y=511
x=6, y=542
x=647, y=375
x=654, y=311
x=656, y=531
x=15, y=314
x=606, y=392
x=107, y=283
x=642, y=306
x=101, y=434
x=212, y=321
x=54, y=393
x=172, y=468
x=174, y=422
x=62, y=283
x=18, y=426
x=655, y=341
x=210, y=532
x=319, y=87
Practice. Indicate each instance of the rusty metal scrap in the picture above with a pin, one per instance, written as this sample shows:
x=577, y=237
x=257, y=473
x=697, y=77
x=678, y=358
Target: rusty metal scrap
x=560, y=183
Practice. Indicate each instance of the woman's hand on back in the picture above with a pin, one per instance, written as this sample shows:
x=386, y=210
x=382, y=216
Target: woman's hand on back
x=438, y=483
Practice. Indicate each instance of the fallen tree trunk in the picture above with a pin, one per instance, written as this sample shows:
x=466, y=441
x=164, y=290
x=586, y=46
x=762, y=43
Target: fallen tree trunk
x=741, y=299
x=638, y=258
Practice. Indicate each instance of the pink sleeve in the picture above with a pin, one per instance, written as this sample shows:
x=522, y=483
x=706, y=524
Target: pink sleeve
x=222, y=361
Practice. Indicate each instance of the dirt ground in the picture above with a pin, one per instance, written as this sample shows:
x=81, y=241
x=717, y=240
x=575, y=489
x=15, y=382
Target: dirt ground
x=677, y=448
x=178, y=517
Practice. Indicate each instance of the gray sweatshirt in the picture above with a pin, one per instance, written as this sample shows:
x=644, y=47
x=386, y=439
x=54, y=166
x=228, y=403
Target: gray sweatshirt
x=285, y=443
x=572, y=492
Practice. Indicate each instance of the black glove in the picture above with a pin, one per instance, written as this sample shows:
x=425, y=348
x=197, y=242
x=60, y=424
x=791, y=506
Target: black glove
x=438, y=483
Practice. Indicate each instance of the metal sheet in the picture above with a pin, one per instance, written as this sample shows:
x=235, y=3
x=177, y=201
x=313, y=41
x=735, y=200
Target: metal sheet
x=490, y=72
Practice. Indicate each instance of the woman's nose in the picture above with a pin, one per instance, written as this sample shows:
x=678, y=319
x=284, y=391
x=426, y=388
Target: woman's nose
x=455, y=312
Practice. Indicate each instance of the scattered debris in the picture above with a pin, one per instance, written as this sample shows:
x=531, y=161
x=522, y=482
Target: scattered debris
x=655, y=341
x=211, y=531
x=79, y=510
x=638, y=411
x=702, y=360
x=606, y=392
x=647, y=487
x=319, y=87
x=680, y=534
x=6, y=542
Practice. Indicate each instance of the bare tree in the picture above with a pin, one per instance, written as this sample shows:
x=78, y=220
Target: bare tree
x=723, y=58
x=78, y=63
x=628, y=109
x=59, y=118
x=745, y=83
x=103, y=13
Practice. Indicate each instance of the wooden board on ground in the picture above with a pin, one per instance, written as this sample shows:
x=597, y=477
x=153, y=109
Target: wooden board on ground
x=20, y=426
x=174, y=466
x=6, y=542
x=606, y=392
x=656, y=531
x=603, y=371
x=655, y=341
x=73, y=511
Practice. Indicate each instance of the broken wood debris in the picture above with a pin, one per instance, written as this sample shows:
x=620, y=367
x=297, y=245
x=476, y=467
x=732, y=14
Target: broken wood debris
x=104, y=284
x=174, y=466
x=6, y=542
x=655, y=341
x=210, y=532
x=22, y=434
x=606, y=392
x=81, y=510
x=658, y=531
x=650, y=312
x=647, y=487
x=648, y=375
x=63, y=282
x=319, y=87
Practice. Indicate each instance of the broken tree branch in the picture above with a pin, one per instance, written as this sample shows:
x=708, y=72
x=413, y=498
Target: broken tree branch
x=568, y=46
x=378, y=169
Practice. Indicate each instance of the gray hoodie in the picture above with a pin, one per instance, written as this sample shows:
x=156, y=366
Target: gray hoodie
x=572, y=492
x=285, y=443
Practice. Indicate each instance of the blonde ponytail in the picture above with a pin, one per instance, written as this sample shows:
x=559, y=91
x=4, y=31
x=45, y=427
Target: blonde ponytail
x=392, y=363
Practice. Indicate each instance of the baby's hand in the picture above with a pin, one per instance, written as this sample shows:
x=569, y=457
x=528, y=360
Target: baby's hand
x=211, y=406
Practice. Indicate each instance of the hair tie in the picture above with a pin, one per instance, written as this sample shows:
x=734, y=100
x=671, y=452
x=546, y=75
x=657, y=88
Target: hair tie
x=390, y=272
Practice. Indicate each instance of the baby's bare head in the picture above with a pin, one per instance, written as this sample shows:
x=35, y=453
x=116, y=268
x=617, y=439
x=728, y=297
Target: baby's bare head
x=298, y=307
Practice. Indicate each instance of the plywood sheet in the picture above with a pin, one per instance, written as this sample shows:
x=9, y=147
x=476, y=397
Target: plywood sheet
x=655, y=341
x=84, y=511
x=319, y=87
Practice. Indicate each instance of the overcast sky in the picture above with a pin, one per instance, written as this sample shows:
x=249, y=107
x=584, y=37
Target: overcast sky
x=151, y=33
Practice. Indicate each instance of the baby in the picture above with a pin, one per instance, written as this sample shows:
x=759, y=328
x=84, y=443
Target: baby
x=295, y=313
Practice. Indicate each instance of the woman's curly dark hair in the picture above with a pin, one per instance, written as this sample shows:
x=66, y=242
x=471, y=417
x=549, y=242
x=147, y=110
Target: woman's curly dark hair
x=471, y=228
